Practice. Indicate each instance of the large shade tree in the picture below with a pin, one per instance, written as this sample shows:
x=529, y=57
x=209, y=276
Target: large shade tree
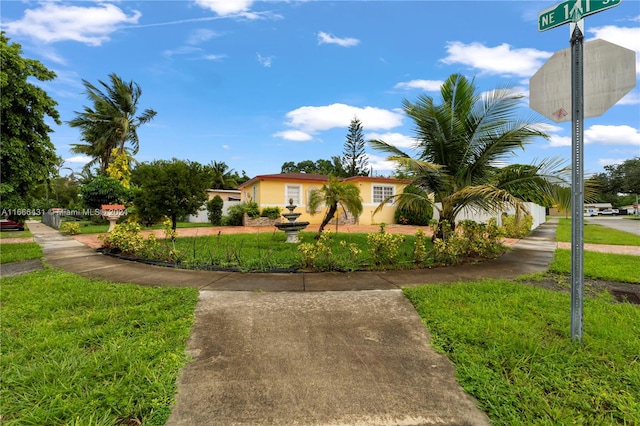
x=173, y=188
x=335, y=194
x=111, y=121
x=460, y=140
x=28, y=156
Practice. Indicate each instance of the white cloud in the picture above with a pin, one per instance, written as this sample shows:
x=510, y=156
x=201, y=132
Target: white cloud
x=293, y=135
x=226, y=7
x=611, y=161
x=500, y=60
x=225, y=146
x=612, y=135
x=312, y=119
x=214, y=57
x=82, y=159
x=393, y=138
x=202, y=35
x=53, y=22
x=426, y=85
x=326, y=38
x=380, y=164
x=622, y=36
x=265, y=61
x=602, y=135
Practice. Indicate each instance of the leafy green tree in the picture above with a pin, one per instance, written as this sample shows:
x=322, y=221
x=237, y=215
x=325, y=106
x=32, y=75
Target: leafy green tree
x=619, y=183
x=173, y=188
x=214, y=210
x=104, y=190
x=355, y=161
x=111, y=121
x=334, y=194
x=28, y=157
x=459, y=140
x=221, y=176
x=331, y=167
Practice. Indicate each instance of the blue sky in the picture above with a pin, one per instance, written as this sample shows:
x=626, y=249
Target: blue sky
x=255, y=83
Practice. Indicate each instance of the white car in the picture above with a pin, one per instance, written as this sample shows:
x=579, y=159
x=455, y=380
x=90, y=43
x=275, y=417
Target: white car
x=608, y=212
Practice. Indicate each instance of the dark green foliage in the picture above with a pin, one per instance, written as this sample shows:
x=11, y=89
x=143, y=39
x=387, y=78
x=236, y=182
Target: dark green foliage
x=418, y=215
x=354, y=157
x=28, y=156
x=214, y=209
x=173, y=188
x=104, y=190
x=270, y=212
x=252, y=210
x=331, y=167
x=618, y=179
x=235, y=214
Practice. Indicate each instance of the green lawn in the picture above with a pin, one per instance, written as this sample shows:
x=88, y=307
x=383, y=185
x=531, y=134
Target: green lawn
x=268, y=250
x=597, y=234
x=88, y=227
x=511, y=346
x=83, y=352
x=16, y=234
x=19, y=251
x=603, y=266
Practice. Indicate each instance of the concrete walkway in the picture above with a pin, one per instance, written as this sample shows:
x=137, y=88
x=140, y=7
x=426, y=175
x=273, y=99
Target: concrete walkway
x=304, y=348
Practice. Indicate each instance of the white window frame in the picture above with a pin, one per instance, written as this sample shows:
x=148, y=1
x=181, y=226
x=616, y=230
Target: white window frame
x=287, y=196
x=385, y=192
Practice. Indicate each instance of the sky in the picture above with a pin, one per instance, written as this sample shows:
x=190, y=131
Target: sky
x=255, y=84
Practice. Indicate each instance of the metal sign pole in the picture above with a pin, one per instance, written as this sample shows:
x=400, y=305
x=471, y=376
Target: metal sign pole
x=577, y=181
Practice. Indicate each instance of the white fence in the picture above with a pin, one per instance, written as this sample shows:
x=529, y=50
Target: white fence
x=201, y=217
x=481, y=216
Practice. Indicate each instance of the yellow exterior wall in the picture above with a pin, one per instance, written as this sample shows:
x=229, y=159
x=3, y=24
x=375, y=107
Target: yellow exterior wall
x=272, y=193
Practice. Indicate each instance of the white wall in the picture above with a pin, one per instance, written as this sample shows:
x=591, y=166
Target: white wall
x=201, y=217
x=537, y=212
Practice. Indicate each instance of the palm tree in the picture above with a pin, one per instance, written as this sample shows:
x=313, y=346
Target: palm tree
x=111, y=122
x=460, y=141
x=222, y=177
x=334, y=194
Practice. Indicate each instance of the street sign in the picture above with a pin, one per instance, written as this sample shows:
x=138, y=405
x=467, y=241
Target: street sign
x=609, y=74
x=572, y=11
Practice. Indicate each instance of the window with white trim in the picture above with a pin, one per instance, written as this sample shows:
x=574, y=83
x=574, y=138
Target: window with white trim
x=293, y=192
x=382, y=192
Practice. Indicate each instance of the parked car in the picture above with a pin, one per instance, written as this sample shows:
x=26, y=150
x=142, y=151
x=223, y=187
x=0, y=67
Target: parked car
x=8, y=224
x=608, y=212
x=590, y=212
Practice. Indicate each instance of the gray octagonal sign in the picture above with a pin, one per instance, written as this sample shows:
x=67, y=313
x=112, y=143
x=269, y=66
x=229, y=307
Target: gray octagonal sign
x=609, y=74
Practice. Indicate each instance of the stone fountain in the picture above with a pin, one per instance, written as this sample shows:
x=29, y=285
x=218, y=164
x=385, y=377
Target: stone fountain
x=291, y=228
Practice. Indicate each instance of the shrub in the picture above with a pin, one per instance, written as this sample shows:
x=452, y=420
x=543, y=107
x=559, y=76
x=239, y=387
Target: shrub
x=419, y=248
x=214, y=210
x=470, y=239
x=271, y=212
x=515, y=226
x=419, y=215
x=70, y=228
x=318, y=256
x=252, y=210
x=383, y=247
x=104, y=190
x=125, y=237
x=235, y=214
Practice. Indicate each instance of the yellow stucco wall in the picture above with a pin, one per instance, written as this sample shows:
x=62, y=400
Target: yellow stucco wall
x=272, y=192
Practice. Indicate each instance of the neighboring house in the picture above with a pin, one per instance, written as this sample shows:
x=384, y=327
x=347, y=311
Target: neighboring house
x=229, y=198
x=277, y=189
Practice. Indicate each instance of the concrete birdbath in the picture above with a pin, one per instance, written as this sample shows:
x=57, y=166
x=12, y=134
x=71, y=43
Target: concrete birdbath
x=112, y=212
x=291, y=228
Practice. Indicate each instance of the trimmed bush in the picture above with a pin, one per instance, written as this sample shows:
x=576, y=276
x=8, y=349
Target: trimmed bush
x=214, y=210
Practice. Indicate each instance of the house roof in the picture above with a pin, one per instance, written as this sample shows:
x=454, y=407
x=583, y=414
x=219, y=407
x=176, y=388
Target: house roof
x=318, y=178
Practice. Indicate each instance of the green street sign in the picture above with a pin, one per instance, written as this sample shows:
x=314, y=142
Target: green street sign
x=572, y=11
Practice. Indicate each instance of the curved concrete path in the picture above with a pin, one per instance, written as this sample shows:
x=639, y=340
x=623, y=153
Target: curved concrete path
x=283, y=350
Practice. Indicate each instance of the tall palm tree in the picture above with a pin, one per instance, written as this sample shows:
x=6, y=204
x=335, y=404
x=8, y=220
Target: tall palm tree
x=334, y=194
x=460, y=141
x=222, y=177
x=111, y=121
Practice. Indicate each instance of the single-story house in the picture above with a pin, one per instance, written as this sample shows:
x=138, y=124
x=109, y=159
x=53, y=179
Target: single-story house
x=229, y=198
x=275, y=190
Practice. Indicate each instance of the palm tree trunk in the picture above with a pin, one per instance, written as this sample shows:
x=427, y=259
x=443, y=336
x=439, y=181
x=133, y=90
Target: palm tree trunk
x=327, y=217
